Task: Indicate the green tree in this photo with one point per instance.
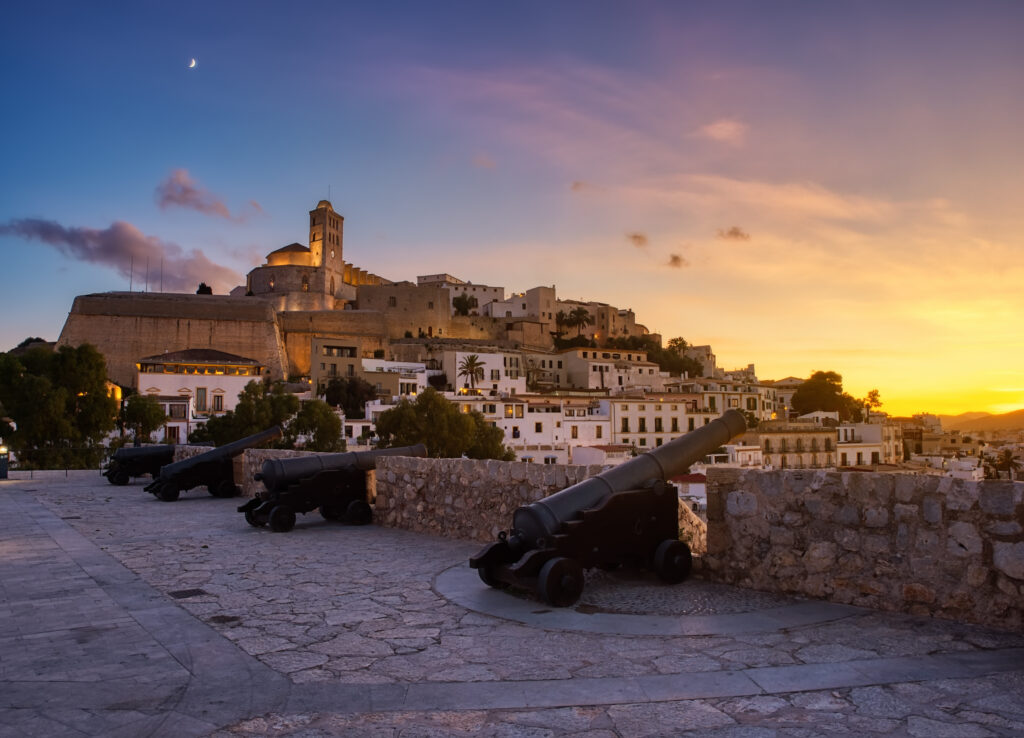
(437, 423)
(873, 400)
(204, 289)
(350, 394)
(61, 405)
(824, 391)
(261, 405)
(143, 414)
(472, 368)
(1005, 461)
(561, 323)
(580, 318)
(464, 303)
(320, 425)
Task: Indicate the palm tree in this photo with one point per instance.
(581, 318)
(1006, 462)
(561, 321)
(472, 368)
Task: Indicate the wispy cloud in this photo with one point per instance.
(125, 248)
(639, 240)
(180, 190)
(726, 131)
(483, 161)
(676, 261)
(735, 233)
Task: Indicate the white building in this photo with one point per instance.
(208, 382)
(503, 372)
(483, 294)
(861, 444)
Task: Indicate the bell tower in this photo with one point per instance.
(325, 237)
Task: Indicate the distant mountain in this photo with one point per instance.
(983, 421)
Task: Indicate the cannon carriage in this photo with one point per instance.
(137, 461)
(213, 469)
(333, 484)
(625, 515)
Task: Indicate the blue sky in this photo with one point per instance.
(803, 185)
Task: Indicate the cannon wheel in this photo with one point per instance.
(223, 488)
(256, 521)
(282, 519)
(329, 512)
(358, 512)
(672, 561)
(560, 582)
(119, 477)
(487, 577)
(168, 492)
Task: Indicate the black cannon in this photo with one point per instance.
(135, 461)
(213, 468)
(627, 514)
(334, 484)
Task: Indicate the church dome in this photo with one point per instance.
(324, 204)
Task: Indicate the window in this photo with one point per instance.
(691, 424)
(643, 425)
(657, 426)
(515, 431)
(171, 435)
(597, 432)
(643, 441)
(625, 425)
(675, 425)
(430, 305)
(575, 431)
(495, 375)
(519, 411)
(392, 302)
(201, 399)
(828, 444)
(658, 441)
(538, 427)
(508, 411)
(176, 411)
(218, 403)
(767, 445)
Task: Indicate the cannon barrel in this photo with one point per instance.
(278, 474)
(227, 451)
(544, 518)
(128, 454)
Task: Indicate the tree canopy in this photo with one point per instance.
(464, 303)
(437, 423)
(143, 414)
(669, 359)
(319, 424)
(350, 394)
(823, 391)
(261, 405)
(472, 369)
(60, 405)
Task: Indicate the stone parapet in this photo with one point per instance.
(920, 544)
(464, 498)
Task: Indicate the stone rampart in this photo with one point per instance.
(464, 498)
(919, 544)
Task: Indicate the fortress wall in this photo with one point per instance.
(408, 308)
(128, 326)
(911, 543)
(299, 329)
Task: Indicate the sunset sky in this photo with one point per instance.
(803, 185)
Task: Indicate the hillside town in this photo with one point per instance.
(567, 381)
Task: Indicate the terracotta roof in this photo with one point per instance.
(292, 248)
(199, 356)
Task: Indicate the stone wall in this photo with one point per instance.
(464, 498)
(919, 544)
(126, 327)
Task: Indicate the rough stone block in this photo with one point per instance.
(1009, 558)
(960, 494)
(848, 539)
(1006, 528)
(906, 488)
(963, 540)
(741, 504)
(876, 517)
(918, 593)
(904, 513)
(931, 508)
(847, 515)
(820, 556)
(999, 498)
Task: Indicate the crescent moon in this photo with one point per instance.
(192, 64)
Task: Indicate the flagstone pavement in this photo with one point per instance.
(121, 615)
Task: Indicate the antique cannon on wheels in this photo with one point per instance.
(627, 514)
(213, 468)
(334, 484)
(135, 461)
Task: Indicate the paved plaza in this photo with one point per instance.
(125, 616)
